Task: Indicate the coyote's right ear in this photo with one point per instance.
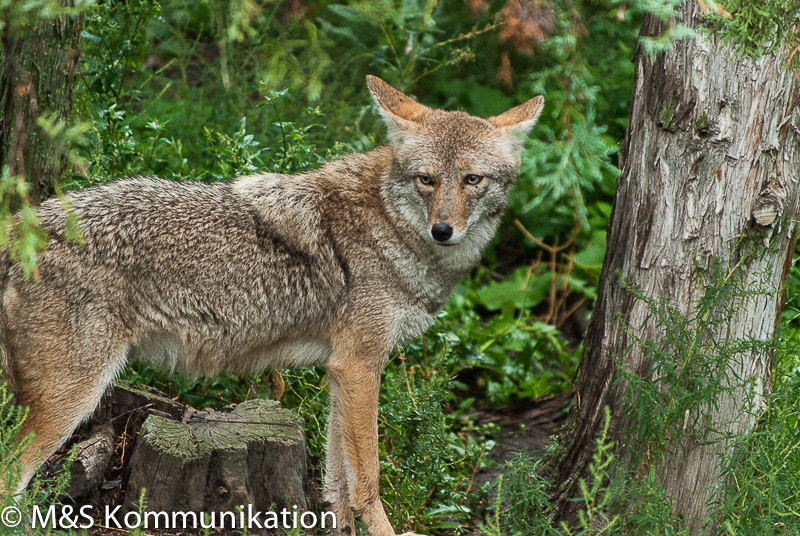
(399, 111)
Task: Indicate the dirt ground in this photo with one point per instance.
(523, 430)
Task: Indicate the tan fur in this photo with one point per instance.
(336, 267)
(527, 112)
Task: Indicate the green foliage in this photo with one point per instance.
(21, 236)
(593, 518)
(11, 418)
(665, 10)
(307, 392)
(763, 470)
(521, 502)
(517, 357)
(757, 28)
(200, 392)
(569, 157)
(139, 506)
(527, 507)
(19, 14)
(690, 369)
(647, 508)
(752, 28)
(761, 489)
(568, 176)
(426, 468)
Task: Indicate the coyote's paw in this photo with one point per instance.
(411, 534)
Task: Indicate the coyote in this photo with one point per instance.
(335, 267)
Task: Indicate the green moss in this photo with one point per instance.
(208, 431)
(702, 125)
(666, 118)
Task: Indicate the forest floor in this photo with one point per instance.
(523, 430)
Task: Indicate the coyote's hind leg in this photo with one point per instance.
(61, 381)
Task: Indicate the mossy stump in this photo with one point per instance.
(216, 461)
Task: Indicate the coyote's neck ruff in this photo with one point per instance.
(336, 266)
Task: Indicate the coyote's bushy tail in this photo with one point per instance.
(6, 372)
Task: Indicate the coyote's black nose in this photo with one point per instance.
(441, 232)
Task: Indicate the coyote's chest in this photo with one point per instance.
(420, 290)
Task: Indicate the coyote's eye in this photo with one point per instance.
(424, 180)
(472, 180)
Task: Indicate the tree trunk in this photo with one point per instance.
(700, 241)
(37, 73)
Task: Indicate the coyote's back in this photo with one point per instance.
(191, 265)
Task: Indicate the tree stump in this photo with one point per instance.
(254, 455)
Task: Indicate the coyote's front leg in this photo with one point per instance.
(336, 489)
(352, 448)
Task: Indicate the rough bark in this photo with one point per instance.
(37, 74)
(127, 406)
(88, 469)
(709, 176)
(255, 455)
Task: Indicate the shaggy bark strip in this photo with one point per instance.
(709, 175)
(37, 73)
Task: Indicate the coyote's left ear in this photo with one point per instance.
(399, 111)
(522, 117)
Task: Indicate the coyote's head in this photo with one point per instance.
(451, 172)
